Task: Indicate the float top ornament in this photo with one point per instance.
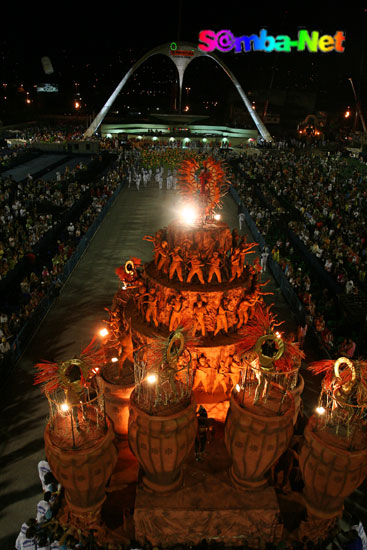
(276, 351)
(163, 374)
(203, 183)
(73, 374)
(343, 398)
(128, 273)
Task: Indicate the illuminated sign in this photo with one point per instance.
(182, 53)
(225, 41)
(49, 88)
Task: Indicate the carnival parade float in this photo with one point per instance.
(173, 428)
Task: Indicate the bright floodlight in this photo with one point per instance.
(188, 215)
(103, 332)
(152, 378)
(320, 410)
(64, 407)
(114, 360)
(217, 217)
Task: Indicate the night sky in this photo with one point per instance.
(96, 46)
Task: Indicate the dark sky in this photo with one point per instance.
(144, 24)
(75, 36)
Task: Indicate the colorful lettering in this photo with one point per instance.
(304, 39)
(209, 38)
(225, 41)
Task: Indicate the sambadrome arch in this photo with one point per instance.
(181, 57)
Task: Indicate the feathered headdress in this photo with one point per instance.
(265, 323)
(206, 179)
(56, 375)
(354, 377)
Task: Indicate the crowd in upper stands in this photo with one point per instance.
(321, 198)
(28, 210)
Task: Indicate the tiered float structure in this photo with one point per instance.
(191, 328)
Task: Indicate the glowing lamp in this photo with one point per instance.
(114, 360)
(237, 387)
(103, 332)
(188, 215)
(277, 334)
(320, 410)
(217, 217)
(152, 378)
(64, 407)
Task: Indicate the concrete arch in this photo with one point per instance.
(189, 52)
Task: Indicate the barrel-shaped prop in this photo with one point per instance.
(257, 435)
(162, 443)
(84, 472)
(117, 402)
(331, 472)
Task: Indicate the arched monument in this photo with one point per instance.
(181, 57)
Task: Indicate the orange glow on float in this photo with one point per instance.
(188, 215)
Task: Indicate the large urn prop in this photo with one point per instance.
(334, 455)
(259, 426)
(117, 374)
(162, 443)
(162, 421)
(117, 394)
(331, 471)
(79, 445)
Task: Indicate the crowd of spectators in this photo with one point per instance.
(22, 228)
(52, 134)
(321, 198)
